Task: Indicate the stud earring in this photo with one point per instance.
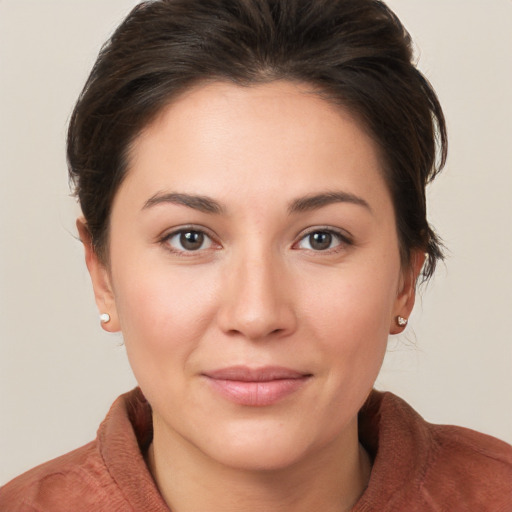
(401, 321)
(104, 318)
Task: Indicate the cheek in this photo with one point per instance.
(350, 321)
(163, 314)
(355, 302)
(349, 313)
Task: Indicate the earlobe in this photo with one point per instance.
(101, 280)
(407, 293)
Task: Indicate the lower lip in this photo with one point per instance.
(257, 394)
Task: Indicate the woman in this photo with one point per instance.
(252, 178)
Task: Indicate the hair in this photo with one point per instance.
(355, 53)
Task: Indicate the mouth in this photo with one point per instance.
(256, 387)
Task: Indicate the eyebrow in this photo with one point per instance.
(206, 204)
(316, 201)
(202, 203)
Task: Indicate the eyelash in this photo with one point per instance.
(342, 238)
(167, 238)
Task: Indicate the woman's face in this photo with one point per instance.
(254, 272)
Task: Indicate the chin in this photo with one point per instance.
(269, 446)
(259, 458)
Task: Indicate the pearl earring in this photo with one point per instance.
(401, 321)
(104, 318)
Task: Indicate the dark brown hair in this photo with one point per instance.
(356, 53)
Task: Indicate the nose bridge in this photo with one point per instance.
(257, 301)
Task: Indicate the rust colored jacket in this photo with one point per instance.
(417, 466)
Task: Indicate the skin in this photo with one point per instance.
(259, 291)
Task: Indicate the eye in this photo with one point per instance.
(188, 240)
(322, 240)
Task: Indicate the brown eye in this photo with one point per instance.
(189, 240)
(320, 240)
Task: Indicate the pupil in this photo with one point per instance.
(320, 241)
(192, 240)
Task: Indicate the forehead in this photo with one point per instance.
(254, 139)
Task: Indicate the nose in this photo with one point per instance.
(257, 299)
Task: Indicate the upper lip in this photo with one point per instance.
(262, 374)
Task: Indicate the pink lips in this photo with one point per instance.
(256, 386)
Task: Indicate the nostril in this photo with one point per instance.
(254, 308)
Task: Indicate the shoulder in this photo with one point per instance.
(75, 481)
(108, 474)
(468, 467)
(422, 466)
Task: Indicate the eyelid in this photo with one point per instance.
(171, 232)
(345, 238)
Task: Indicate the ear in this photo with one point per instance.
(407, 291)
(101, 279)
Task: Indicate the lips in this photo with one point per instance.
(256, 387)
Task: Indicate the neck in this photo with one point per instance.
(331, 480)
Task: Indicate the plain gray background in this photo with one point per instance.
(59, 372)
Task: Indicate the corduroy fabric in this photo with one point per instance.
(417, 466)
